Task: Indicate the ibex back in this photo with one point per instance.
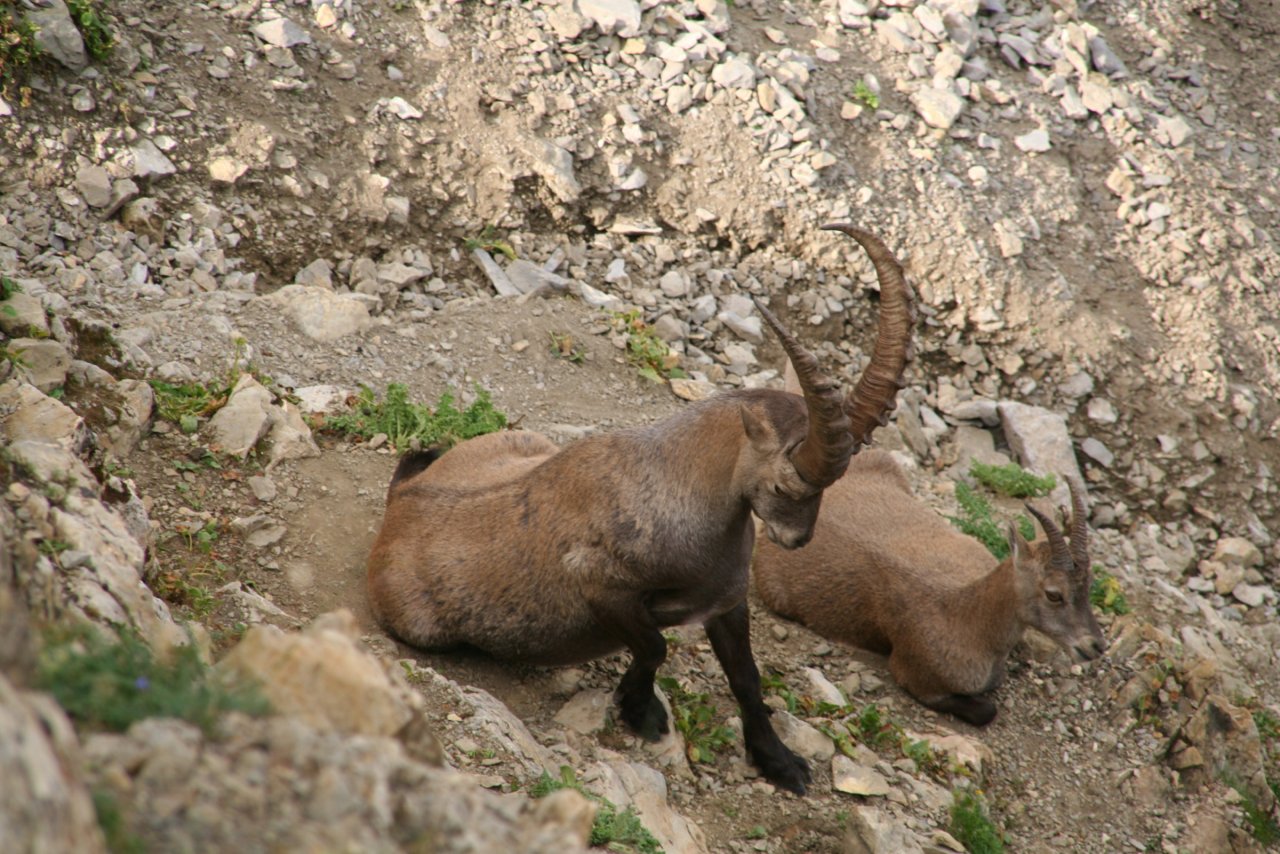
(886, 573)
(553, 556)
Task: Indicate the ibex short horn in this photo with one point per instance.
(530, 552)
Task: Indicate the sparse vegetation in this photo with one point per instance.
(114, 832)
(978, 520)
(18, 50)
(649, 353)
(98, 40)
(695, 718)
(564, 347)
(405, 423)
(971, 823)
(1012, 480)
(1105, 593)
(110, 683)
(488, 240)
(615, 831)
(186, 404)
(8, 287)
(865, 95)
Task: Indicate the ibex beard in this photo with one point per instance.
(551, 555)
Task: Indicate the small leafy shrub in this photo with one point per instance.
(1012, 480)
(649, 353)
(695, 718)
(613, 830)
(111, 683)
(93, 29)
(186, 404)
(1105, 593)
(864, 95)
(404, 422)
(977, 519)
(971, 825)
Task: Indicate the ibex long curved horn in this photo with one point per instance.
(822, 457)
(873, 398)
(1062, 556)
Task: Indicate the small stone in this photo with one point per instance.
(226, 170)
(148, 160)
(1253, 595)
(1098, 452)
(94, 183)
(621, 17)
(688, 389)
(281, 33)
(23, 314)
(1237, 551)
(1101, 410)
(938, 108)
(1034, 141)
(853, 779)
(46, 361)
(263, 487)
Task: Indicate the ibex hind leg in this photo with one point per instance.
(969, 708)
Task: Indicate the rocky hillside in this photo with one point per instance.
(219, 221)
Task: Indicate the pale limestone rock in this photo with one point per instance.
(46, 361)
(803, 738)
(321, 675)
(27, 414)
(321, 314)
(853, 779)
(237, 427)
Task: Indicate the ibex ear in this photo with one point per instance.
(1019, 548)
(755, 428)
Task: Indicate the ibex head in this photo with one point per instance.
(1054, 581)
(797, 452)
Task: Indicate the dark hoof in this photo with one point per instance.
(978, 711)
(785, 770)
(644, 715)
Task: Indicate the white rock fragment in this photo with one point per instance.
(281, 33)
(226, 170)
(938, 108)
(319, 313)
(1172, 131)
(853, 779)
(148, 160)
(620, 17)
(1098, 452)
(1035, 141)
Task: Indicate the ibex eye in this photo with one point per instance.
(1053, 596)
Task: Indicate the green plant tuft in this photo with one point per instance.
(864, 95)
(1105, 593)
(18, 49)
(93, 29)
(649, 353)
(1012, 480)
(977, 519)
(617, 831)
(404, 422)
(972, 826)
(695, 718)
(119, 839)
(489, 242)
(112, 683)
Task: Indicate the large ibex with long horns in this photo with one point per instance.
(559, 555)
(886, 573)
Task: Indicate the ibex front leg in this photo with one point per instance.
(730, 635)
(628, 620)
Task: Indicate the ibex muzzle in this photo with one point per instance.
(886, 573)
(555, 556)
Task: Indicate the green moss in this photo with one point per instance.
(404, 422)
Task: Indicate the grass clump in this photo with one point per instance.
(1105, 593)
(115, 832)
(1012, 480)
(977, 519)
(112, 683)
(404, 422)
(615, 831)
(649, 353)
(187, 403)
(971, 824)
(695, 718)
(98, 40)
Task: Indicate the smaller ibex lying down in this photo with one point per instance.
(887, 574)
(554, 556)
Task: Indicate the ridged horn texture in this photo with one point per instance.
(1079, 527)
(823, 455)
(1062, 556)
(873, 398)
